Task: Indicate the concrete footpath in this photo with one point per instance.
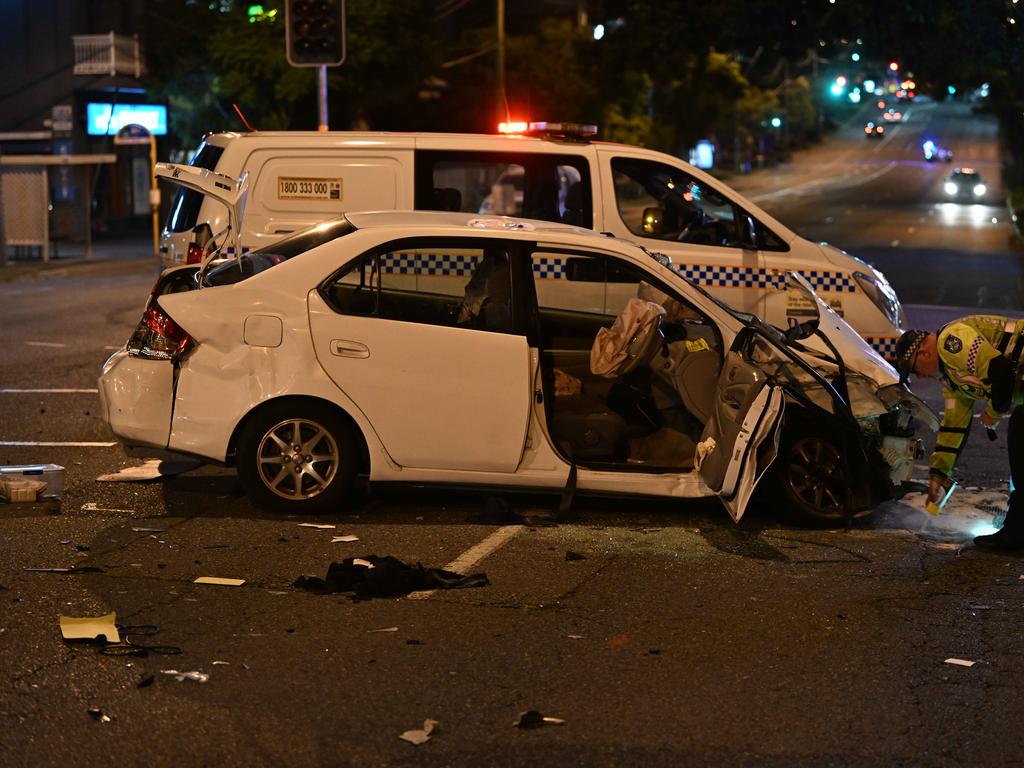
(113, 255)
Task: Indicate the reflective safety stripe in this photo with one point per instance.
(945, 449)
(959, 430)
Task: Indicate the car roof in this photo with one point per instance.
(446, 223)
(964, 172)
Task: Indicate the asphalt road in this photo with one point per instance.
(880, 200)
(679, 638)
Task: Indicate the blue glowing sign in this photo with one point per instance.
(108, 119)
(703, 155)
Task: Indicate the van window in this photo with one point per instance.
(658, 201)
(537, 186)
(187, 202)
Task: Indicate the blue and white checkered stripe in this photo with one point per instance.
(550, 267)
(884, 345)
(439, 264)
(712, 276)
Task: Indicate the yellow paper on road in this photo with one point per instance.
(219, 581)
(90, 627)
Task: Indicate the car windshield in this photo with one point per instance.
(254, 262)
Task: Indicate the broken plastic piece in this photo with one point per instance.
(531, 718)
(219, 581)
(420, 736)
(344, 539)
(153, 469)
(198, 677)
(961, 662)
(90, 628)
(99, 714)
(316, 525)
(384, 629)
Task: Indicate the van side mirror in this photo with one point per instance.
(654, 221)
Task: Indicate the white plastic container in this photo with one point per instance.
(24, 480)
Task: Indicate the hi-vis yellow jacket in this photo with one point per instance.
(967, 348)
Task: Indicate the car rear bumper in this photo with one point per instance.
(137, 399)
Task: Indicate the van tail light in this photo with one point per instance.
(158, 337)
(196, 253)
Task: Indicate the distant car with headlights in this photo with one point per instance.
(964, 185)
(548, 171)
(892, 115)
(483, 350)
(874, 130)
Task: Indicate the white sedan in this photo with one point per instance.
(460, 349)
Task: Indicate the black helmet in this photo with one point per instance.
(906, 348)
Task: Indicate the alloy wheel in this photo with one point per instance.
(297, 459)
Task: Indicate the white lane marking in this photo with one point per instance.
(54, 344)
(47, 391)
(17, 443)
(475, 554)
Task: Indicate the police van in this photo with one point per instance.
(715, 237)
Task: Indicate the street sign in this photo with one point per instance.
(133, 133)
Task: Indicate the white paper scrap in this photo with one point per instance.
(219, 581)
(346, 538)
(418, 737)
(316, 525)
(90, 627)
(198, 677)
(384, 629)
(360, 561)
(961, 662)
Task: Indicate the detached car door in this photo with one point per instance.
(421, 336)
(740, 439)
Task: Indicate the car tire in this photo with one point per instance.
(297, 457)
(808, 482)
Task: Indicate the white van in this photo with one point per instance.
(716, 238)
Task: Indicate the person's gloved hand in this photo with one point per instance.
(990, 423)
(936, 489)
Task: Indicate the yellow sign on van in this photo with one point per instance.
(295, 188)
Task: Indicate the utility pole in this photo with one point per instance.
(502, 101)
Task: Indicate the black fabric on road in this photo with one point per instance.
(386, 577)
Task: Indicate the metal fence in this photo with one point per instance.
(108, 54)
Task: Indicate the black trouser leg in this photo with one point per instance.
(1015, 452)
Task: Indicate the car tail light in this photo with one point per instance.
(158, 337)
(196, 254)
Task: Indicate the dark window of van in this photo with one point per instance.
(533, 185)
(187, 202)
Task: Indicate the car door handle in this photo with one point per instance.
(343, 348)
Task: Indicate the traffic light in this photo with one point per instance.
(315, 32)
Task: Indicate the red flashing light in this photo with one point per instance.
(514, 127)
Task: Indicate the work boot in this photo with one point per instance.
(1010, 537)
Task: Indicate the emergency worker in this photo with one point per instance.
(977, 358)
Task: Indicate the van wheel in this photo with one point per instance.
(297, 457)
(810, 478)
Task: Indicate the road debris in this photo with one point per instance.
(420, 736)
(152, 469)
(72, 569)
(218, 581)
(961, 662)
(344, 539)
(92, 506)
(31, 482)
(197, 677)
(100, 715)
(374, 576)
(90, 628)
(531, 718)
(316, 525)
(384, 629)
(571, 556)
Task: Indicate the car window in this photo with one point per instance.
(658, 201)
(254, 262)
(461, 284)
(538, 186)
(579, 293)
(187, 202)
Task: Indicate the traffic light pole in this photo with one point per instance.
(321, 77)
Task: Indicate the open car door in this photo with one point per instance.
(741, 438)
(232, 193)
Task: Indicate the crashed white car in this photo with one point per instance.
(460, 349)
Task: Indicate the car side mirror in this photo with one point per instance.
(654, 221)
